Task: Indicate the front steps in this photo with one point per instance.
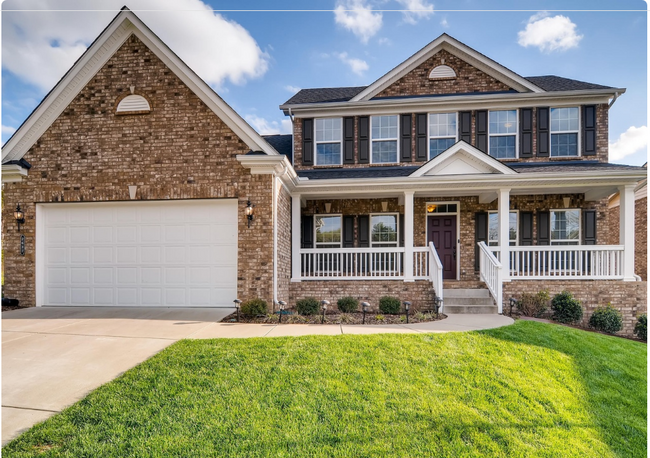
(463, 300)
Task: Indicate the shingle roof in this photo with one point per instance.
(552, 83)
(366, 172)
(569, 166)
(281, 143)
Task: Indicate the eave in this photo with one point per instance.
(13, 173)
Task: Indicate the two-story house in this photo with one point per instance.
(139, 186)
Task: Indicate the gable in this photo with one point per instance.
(462, 159)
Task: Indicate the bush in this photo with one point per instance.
(533, 304)
(347, 304)
(566, 308)
(641, 327)
(255, 307)
(307, 306)
(389, 305)
(606, 319)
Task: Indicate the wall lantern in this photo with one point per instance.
(19, 215)
(249, 212)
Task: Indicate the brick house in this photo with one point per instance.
(449, 172)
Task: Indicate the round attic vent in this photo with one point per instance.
(442, 71)
(133, 103)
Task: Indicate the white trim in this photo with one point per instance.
(340, 216)
(430, 137)
(564, 242)
(470, 150)
(516, 135)
(340, 142)
(296, 233)
(578, 132)
(39, 253)
(13, 173)
(627, 230)
(396, 242)
(457, 213)
(396, 139)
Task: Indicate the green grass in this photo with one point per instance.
(526, 390)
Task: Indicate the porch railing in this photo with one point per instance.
(352, 263)
(421, 261)
(491, 273)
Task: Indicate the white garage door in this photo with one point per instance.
(168, 253)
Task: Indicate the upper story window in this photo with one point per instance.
(565, 126)
(493, 229)
(328, 141)
(384, 229)
(384, 139)
(565, 227)
(503, 134)
(328, 231)
(442, 132)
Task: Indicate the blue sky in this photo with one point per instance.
(257, 59)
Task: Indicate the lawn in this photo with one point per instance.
(526, 390)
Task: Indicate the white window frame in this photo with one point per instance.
(316, 142)
(496, 242)
(516, 135)
(396, 242)
(396, 139)
(431, 137)
(318, 244)
(577, 132)
(564, 241)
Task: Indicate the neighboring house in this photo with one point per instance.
(136, 180)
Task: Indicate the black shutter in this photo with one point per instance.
(405, 135)
(307, 142)
(364, 231)
(543, 135)
(543, 228)
(348, 140)
(421, 150)
(589, 229)
(465, 127)
(364, 140)
(589, 130)
(480, 235)
(401, 229)
(307, 231)
(525, 228)
(348, 231)
(526, 132)
(482, 130)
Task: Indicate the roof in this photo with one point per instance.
(324, 94)
(365, 172)
(569, 166)
(283, 144)
(552, 83)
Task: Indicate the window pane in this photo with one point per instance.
(328, 130)
(328, 229)
(564, 119)
(513, 225)
(503, 122)
(493, 226)
(384, 126)
(384, 151)
(328, 153)
(565, 225)
(503, 147)
(564, 144)
(384, 228)
(442, 125)
(439, 145)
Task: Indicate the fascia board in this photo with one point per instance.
(277, 165)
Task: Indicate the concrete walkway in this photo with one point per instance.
(54, 356)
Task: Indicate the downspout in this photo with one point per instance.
(613, 100)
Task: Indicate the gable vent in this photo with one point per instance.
(442, 71)
(133, 103)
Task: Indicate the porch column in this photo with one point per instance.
(504, 231)
(627, 230)
(295, 238)
(408, 236)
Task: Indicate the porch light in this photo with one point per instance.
(281, 304)
(249, 212)
(328, 207)
(323, 306)
(19, 216)
(431, 208)
(437, 303)
(237, 306)
(364, 307)
(513, 303)
(407, 306)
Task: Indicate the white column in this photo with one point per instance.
(408, 236)
(504, 231)
(295, 238)
(627, 230)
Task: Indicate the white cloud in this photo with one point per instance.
(264, 127)
(629, 142)
(548, 33)
(444, 23)
(39, 47)
(357, 66)
(415, 10)
(292, 89)
(361, 20)
(8, 130)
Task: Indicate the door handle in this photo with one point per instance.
(454, 252)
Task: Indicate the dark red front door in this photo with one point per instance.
(442, 232)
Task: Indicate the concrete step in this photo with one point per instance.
(453, 300)
(465, 293)
(470, 309)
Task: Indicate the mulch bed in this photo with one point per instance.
(8, 308)
(372, 318)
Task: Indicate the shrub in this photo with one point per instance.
(307, 306)
(566, 308)
(389, 305)
(347, 304)
(641, 327)
(255, 307)
(533, 304)
(606, 319)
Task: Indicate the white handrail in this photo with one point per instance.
(492, 274)
(352, 263)
(435, 272)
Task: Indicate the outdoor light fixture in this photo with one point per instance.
(364, 307)
(281, 304)
(237, 305)
(407, 306)
(323, 306)
(513, 303)
(437, 303)
(19, 216)
(328, 207)
(431, 208)
(249, 212)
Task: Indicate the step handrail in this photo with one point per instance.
(492, 274)
(435, 272)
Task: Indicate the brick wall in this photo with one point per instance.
(628, 297)
(284, 243)
(181, 150)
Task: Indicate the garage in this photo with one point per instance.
(179, 253)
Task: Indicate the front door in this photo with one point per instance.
(442, 232)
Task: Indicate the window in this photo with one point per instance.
(434, 207)
(328, 141)
(384, 139)
(442, 132)
(383, 230)
(328, 231)
(565, 126)
(565, 227)
(493, 229)
(503, 134)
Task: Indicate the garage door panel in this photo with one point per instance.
(200, 296)
(103, 296)
(103, 255)
(79, 275)
(126, 254)
(223, 275)
(127, 275)
(150, 234)
(57, 276)
(175, 275)
(174, 296)
(80, 255)
(175, 254)
(79, 235)
(57, 296)
(126, 214)
(126, 234)
(103, 234)
(152, 296)
(80, 296)
(56, 235)
(151, 275)
(150, 255)
(175, 234)
(127, 296)
(57, 256)
(103, 275)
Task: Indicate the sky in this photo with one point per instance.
(258, 55)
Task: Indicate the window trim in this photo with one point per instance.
(340, 142)
(516, 135)
(396, 139)
(516, 240)
(430, 137)
(564, 241)
(550, 131)
(396, 242)
(318, 244)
